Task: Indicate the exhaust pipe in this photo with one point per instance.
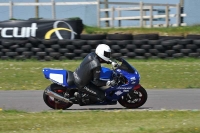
(56, 96)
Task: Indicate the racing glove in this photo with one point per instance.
(114, 64)
(111, 83)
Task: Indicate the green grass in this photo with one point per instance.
(155, 74)
(27, 75)
(171, 31)
(100, 122)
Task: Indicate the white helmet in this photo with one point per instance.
(103, 51)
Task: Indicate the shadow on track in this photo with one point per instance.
(106, 109)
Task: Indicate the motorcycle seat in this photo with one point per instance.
(70, 78)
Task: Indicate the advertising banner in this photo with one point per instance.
(43, 29)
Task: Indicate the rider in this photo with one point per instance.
(87, 75)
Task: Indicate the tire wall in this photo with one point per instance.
(126, 46)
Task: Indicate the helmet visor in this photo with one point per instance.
(107, 54)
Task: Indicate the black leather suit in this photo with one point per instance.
(87, 76)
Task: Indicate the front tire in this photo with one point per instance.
(54, 103)
(134, 99)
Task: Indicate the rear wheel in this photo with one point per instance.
(134, 99)
(54, 103)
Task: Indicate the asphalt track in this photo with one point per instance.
(169, 99)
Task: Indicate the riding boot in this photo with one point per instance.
(79, 98)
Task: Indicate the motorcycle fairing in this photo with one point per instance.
(114, 93)
(106, 73)
(58, 76)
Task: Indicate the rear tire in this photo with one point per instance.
(138, 98)
(54, 103)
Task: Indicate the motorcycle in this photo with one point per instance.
(127, 91)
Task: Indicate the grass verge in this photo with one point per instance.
(155, 74)
(170, 31)
(100, 122)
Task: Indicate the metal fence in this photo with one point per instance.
(143, 8)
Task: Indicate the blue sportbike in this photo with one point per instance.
(127, 91)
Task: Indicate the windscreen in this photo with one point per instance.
(126, 66)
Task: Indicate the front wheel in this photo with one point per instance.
(54, 103)
(134, 99)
